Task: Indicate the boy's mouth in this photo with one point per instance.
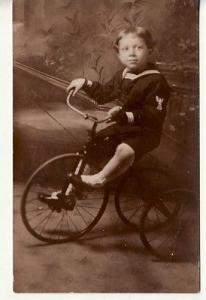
(133, 61)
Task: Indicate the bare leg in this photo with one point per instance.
(117, 165)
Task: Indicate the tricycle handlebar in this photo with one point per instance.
(86, 116)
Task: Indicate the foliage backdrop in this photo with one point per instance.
(72, 38)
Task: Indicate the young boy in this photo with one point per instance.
(143, 92)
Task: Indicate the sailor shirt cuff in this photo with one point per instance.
(87, 83)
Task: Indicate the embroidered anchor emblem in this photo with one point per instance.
(159, 101)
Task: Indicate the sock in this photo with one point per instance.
(54, 195)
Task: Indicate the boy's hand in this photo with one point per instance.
(76, 85)
(114, 111)
(117, 114)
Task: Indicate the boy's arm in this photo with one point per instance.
(153, 112)
(101, 93)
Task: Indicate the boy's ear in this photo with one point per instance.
(117, 54)
(116, 49)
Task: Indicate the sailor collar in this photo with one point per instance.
(127, 75)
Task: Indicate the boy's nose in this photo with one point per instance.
(131, 52)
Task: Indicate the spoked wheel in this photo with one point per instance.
(169, 227)
(44, 211)
(139, 188)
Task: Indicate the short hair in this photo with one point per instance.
(140, 32)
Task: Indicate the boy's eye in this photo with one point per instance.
(138, 47)
(125, 48)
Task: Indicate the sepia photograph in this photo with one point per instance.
(106, 146)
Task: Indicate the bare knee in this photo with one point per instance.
(125, 153)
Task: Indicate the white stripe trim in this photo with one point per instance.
(89, 83)
(130, 117)
(124, 72)
(134, 76)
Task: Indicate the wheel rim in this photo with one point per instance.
(49, 224)
(167, 237)
(129, 205)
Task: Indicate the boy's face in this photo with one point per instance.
(133, 52)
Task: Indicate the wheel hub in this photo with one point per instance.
(57, 203)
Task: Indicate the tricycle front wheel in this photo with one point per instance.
(44, 213)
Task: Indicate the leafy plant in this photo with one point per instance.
(97, 67)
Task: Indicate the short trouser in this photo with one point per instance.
(141, 141)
